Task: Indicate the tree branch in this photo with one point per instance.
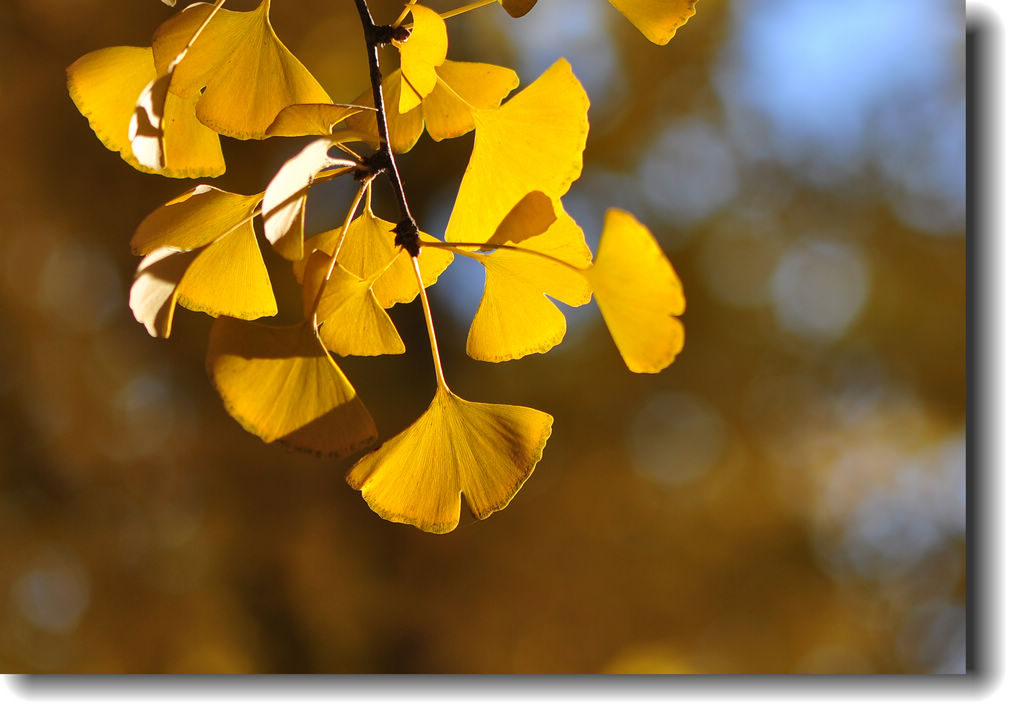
(407, 233)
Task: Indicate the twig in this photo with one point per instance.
(407, 232)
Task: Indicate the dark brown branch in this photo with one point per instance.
(407, 233)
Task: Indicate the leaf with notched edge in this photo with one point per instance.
(281, 385)
(484, 452)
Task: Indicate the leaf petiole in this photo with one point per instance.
(434, 351)
(337, 250)
(454, 248)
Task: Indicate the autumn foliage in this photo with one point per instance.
(213, 71)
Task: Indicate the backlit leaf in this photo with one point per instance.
(106, 85)
(657, 19)
(638, 293)
(533, 142)
(199, 255)
(425, 49)
(153, 294)
(351, 320)
(462, 88)
(515, 317)
(485, 452)
(284, 203)
(308, 120)
(193, 219)
(146, 127)
(370, 251)
(404, 129)
(229, 277)
(248, 74)
(281, 385)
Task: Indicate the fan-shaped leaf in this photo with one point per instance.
(106, 86)
(638, 293)
(351, 320)
(657, 19)
(421, 54)
(533, 142)
(486, 452)
(249, 76)
(281, 385)
(515, 317)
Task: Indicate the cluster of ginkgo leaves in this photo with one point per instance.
(212, 72)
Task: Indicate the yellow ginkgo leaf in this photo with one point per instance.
(193, 220)
(518, 8)
(106, 85)
(463, 87)
(531, 217)
(369, 251)
(284, 203)
(351, 320)
(638, 293)
(404, 129)
(486, 452)
(533, 142)
(146, 128)
(229, 277)
(425, 49)
(657, 19)
(281, 385)
(216, 273)
(515, 317)
(310, 120)
(249, 76)
(153, 298)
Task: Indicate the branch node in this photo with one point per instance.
(386, 34)
(407, 236)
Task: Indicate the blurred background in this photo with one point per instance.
(789, 496)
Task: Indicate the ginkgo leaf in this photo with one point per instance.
(284, 203)
(229, 277)
(530, 217)
(281, 385)
(153, 298)
(638, 293)
(369, 251)
(404, 130)
(146, 127)
(421, 54)
(515, 317)
(485, 452)
(106, 85)
(308, 120)
(192, 220)
(352, 321)
(249, 76)
(657, 19)
(207, 263)
(518, 8)
(533, 142)
(463, 87)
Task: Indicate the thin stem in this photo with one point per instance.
(408, 232)
(467, 8)
(337, 251)
(435, 353)
(195, 36)
(454, 13)
(405, 13)
(454, 248)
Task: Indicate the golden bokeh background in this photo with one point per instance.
(788, 497)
